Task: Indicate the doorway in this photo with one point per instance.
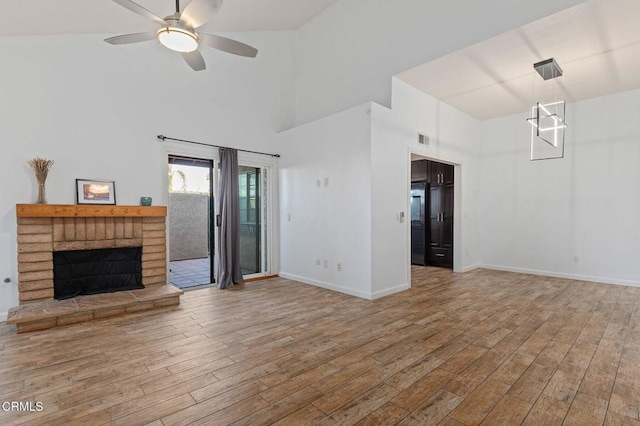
(432, 213)
(191, 211)
(193, 184)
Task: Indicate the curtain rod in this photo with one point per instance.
(163, 137)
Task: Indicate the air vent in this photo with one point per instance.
(423, 139)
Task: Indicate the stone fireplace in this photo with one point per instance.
(45, 229)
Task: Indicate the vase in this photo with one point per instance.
(42, 194)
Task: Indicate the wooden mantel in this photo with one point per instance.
(72, 210)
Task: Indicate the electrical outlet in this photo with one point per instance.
(339, 266)
(317, 262)
(326, 264)
(326, 181)
(318, 182)
(289, 217)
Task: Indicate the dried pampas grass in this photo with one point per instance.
(41, 168)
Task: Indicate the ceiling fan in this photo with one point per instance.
(177, 31)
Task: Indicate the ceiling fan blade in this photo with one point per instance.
(130, 38)
(195, 60)
(136, 8)
(228, 45)
(198, 12)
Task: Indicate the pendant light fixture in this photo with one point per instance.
(547, 116)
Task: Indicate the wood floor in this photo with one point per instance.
(480, 347)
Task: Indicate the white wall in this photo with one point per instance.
(574, 217)
(365, 153)
(96, 110)
(510, 213)
(347, 55)
(453, 139)
(327, 222)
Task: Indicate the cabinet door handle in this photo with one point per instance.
(439, 254)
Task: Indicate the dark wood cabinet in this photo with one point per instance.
(439, 185)
(439, 173)
(441, 236)
(419, 222)
(419, 171)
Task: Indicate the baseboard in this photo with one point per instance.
(470, 268)
(589, 278)
(327, 286)
(388, 291)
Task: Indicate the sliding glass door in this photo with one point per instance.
(191, 230)
(253, 183)
(193, 185)
(249, 185)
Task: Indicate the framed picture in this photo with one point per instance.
(95, 191)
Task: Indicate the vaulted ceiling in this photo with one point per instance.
(45, 17)
(596, 43)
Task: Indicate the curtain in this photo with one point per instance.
(229, 272)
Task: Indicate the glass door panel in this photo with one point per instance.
(250, 183)
(191, 206)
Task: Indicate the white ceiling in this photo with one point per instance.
(46, 17)
(597, 45)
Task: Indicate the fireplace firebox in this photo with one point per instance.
(82, 272)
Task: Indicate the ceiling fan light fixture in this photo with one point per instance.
(178, 39)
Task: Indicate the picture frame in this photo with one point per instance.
(90, 191)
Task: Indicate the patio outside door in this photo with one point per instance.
(191, 230)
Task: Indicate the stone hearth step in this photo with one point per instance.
(53, 313)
